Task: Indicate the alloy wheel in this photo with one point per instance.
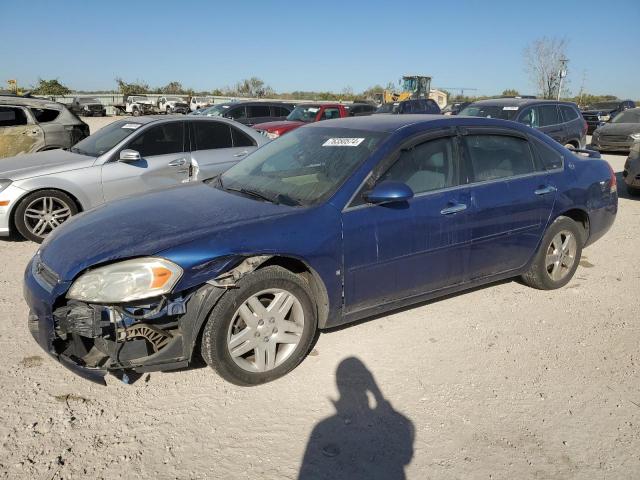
(44, 214)
(561, 255)
(265, 330)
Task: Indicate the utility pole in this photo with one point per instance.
(562, 73)
(584, 79)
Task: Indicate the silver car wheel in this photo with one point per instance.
(44, 214)
(561, 255)
(265, 330)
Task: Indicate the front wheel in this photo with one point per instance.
(42, 212)
(557, 257)
(136, 112)
(261, 330)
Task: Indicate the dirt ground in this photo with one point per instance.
(503, 382)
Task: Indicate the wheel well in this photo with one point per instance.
(12, 218)
(580, 217)
(318, 288)
(574, 143)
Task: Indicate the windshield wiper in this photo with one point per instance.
(251, 193)
(79, 151)
(288, 200)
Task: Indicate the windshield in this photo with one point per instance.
(89, 100)
(507, 112)
(603, 106)
(175, 99)
(215, 111)
(628, 116)
(389, 108)
(302, 167)
(304, 113)
(139, 99)
(106, 138)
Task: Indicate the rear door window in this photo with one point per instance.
(12, 116)
(236, 113)
(210, 135)
(241, 139)
(258, 111)
(497, 156)
(549, 115)
(549, 158)
(330, 113)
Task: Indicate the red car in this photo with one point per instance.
(305, 113)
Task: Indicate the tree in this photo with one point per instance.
(50, 88)
(510, 92)
(173, 88)
(252, 87)
(127, 89)
(543, 63)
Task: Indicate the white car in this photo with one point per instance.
(200, 102)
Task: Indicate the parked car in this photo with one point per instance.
(136, 105)
(560, 120)
(360, 109)
(421, 106)
(41, 191)
(334, 222)
(631, 172)
(172, 104)
(250, 113)
(455, 108)
(197, 103)
(87, 107)
(619, 134)
(604, 111)
(301, 115)
(30, 125)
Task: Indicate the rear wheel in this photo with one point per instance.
(42, 212)
(261, 330)
(557, 257)
(136, 112)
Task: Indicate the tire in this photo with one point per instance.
(225, 321)
(44, 203)
(136, 112)
(633, 191)
(549, 276)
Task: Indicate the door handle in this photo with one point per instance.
(178, 163)
(545, 190)
(455, 208)
(241, 154)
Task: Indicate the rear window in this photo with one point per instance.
(259, 111)
(504, 112)
(549, 115)
(44, 115)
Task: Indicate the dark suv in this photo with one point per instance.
(560, 120)
(410, 106)
(250, 113)
(604, 111)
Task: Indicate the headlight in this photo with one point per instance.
(272, 135)
(604, 118)
(126, 281)
(4, 184)
(635, 136)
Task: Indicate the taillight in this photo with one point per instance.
(585, 127)
(613, 181)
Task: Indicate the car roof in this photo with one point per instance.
(27, 102)
(520, 102)
(393, 123)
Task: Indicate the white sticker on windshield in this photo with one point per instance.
(313, 110)
(510, 108)
(131, 126)
(343, 142)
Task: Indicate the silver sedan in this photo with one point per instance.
(38, 192)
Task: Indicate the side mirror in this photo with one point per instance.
(128, 155)
(389, 192)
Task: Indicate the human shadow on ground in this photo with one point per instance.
(365, 439)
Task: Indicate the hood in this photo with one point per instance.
(150, 223)
(42, 163)
(599, 111)
(283, 126)
(618, 128)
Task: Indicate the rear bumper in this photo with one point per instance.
(631, 172)
(601, 219)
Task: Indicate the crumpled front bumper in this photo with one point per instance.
(631, 172)
(120, 351)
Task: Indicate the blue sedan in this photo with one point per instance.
(334, 222)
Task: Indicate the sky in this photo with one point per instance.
(317, 45)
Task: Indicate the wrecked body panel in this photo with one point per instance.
(20, 139)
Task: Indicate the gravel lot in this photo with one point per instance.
(503, 382)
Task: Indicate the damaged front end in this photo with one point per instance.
(123, 340)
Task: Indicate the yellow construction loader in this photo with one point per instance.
(413, 87)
